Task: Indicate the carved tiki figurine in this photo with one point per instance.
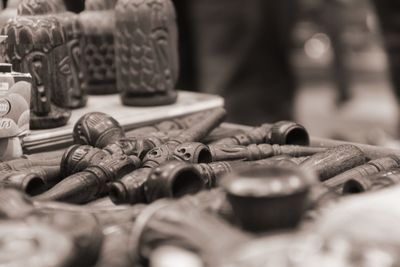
(98, 57)
(75, 95)
(37, 44)
(146, 52)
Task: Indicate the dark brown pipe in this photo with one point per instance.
(372, 167)
(174, 179)
(334, 161)
(103, 131)
(91, 183)
(27, 161)
(125, 190)
(261, 151)
(130, 188)
(281, 133)
(32, 181)
(372, 182)
(78, 157)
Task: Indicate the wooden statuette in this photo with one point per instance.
(98, 56)
(146, 52)
(37, 44)
(75, 96)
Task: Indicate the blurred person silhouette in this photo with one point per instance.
(332, 18)
(241, 52)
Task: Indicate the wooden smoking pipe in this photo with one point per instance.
(373, 182)
(176, 148)
(362, 172)
(281, 133)
(92, 182)
(32, 181)
(334, 161)
(260, 151)
(40, 159)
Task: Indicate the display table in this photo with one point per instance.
(128, 117)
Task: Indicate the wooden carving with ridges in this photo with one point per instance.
(75, 94)
(146, 52)
(37, 44)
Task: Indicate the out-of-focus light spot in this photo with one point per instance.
(317, 46)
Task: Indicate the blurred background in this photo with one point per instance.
(321, 62)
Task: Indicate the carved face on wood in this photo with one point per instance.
(37, 45)
(70, 67)
(61, 80)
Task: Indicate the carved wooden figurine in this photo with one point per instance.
(75, 96)
(146, 52)
(37, 44)
(98, 58)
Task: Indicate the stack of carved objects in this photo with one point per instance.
(126, 46)
(189, 192)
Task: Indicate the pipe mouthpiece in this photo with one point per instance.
(289, 133)
(118, 193)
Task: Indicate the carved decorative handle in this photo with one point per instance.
(362, 172)
(256, 152)
(334, 161)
